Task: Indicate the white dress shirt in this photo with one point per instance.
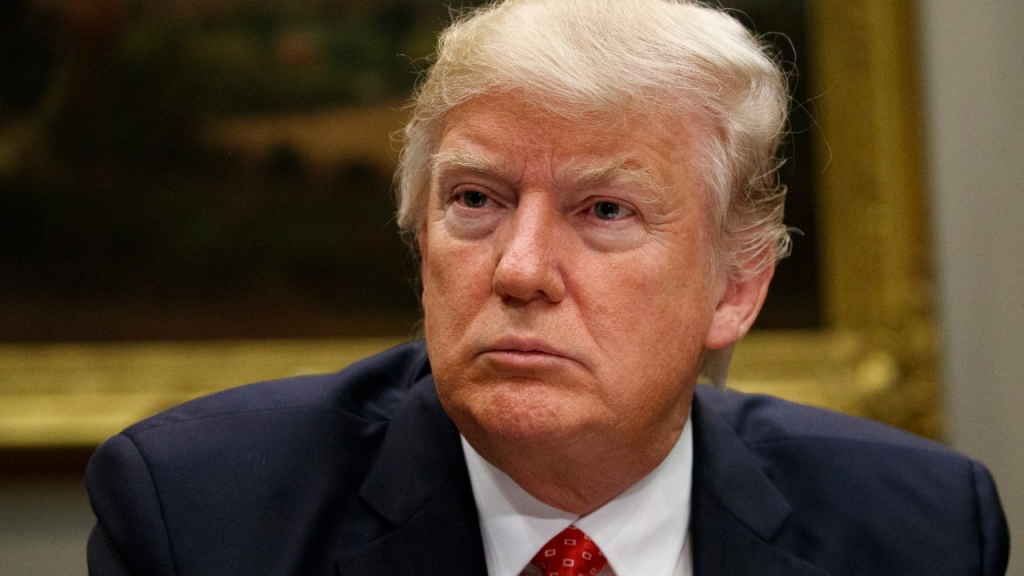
(642, 532)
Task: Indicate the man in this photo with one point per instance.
(590, 184)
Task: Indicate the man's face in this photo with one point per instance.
(566, 281)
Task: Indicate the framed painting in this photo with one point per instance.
(196, 195)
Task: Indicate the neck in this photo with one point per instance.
(578, 476)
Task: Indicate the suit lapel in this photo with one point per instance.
(737, 513)
(419, 485)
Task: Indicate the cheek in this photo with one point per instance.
(455, 278)
(647, 304)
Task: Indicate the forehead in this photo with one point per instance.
(510, 139)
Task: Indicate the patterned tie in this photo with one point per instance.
(571, 553)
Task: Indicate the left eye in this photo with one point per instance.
(474, 199)
(607, 210)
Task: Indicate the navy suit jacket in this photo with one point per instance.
(362, 473)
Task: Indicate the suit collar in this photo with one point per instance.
(420, 487)
(421, 453)
(737, 513)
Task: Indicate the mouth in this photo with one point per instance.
(525, 353)
(516, 345)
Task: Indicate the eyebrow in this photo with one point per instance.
(454, 160)
(616, 172)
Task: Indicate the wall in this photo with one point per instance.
(973, 73)
(44, 523)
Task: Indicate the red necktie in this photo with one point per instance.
(571, 553)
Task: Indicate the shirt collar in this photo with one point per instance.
(641, 531)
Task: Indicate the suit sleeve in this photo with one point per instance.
(130, 536)
(995, 535)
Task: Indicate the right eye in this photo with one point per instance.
(474, 199)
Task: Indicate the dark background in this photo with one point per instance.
(125, 213)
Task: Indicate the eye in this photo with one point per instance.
(607, 210)
(474, 199)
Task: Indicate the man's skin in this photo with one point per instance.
(561, 259)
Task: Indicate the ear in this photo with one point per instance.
(738, 309)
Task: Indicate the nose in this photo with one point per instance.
(530, 260)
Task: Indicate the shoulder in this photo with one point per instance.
(795, 443)
(270, 456)
(855, 483)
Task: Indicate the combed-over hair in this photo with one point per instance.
(661, 59)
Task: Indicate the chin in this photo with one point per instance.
(524, 412)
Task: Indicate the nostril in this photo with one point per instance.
(537, 277)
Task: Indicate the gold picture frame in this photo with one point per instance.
(876, 357)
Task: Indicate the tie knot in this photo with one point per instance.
(571, 553)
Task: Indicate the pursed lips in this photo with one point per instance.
(518, 350)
